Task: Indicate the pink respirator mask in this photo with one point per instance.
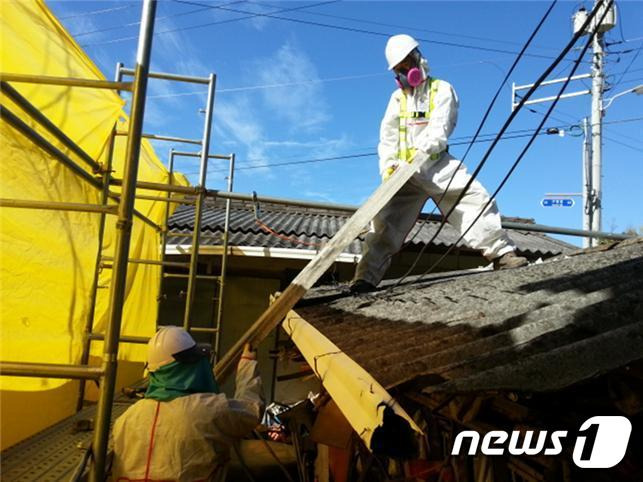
(410, 80)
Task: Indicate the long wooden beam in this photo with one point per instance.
(277, 311)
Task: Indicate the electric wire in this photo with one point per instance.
(306, 82)
(637, 149)
(629, 81)
(516, 134)
(369, 32)
(270, 86)
(374, 153)
(504, 127)
(407, 28)
(209, 24)
(133, 24)
(95, 12)
(576, 120)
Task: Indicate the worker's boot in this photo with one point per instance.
(509, 260)
(360, 286)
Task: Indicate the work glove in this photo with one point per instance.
(248, 352)
(389, 169)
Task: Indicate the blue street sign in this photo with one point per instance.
(553, 202)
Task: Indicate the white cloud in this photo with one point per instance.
(231, 121)
(301, 106)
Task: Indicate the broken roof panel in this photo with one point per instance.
(538, 328)
(307, 228)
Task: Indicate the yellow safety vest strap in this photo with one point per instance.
(404, 153)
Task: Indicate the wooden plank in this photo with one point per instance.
(270, 318)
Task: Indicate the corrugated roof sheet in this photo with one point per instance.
(538, 328)
(314, 226)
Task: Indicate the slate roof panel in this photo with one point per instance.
(537, 328)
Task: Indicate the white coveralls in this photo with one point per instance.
(188, 438)
(427, 137)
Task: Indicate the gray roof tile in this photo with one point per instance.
(317, 226)
(538, 328)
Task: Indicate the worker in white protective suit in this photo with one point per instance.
(418, 121)
(184, 429)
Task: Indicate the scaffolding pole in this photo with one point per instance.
(165, 76)
(50, 370)
(65, 81)
(89, 322)
(39, 117)
(198, 210)
(122, 242)
(58, 206)
(166, 217)
(224, 263)
(157, 137)
(140, 340)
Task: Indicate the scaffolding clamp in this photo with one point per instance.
(124, 224)
(101, 169)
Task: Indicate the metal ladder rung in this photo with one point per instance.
(197, 329)
(183, 275)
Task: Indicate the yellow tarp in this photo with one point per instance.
(47, 258)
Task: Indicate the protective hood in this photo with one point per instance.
(424, 65)
(180, 379)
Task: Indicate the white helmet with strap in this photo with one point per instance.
(398, 47)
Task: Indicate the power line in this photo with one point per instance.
(95, 12)
(623, 121)
(133, 24)
(626, 40)
(465, 140)
(637, 149)
(629, 81)
(290, 84)
(271, 86)
(621, 72)
(370, 32)
(209, 24)
(407, 28)
(517, 135)
(534, 110)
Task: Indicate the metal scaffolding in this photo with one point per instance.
(120, 205)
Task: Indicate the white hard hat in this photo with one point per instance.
(165, 344)
(398, 47)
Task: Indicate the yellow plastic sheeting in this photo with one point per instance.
(357, 394)
(47, 258)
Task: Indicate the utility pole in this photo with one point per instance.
(587, 181)
(597, 130)
(593, 140)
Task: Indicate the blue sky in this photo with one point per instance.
(295, 90)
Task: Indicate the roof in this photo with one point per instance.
(538, 328)
(307, 229)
